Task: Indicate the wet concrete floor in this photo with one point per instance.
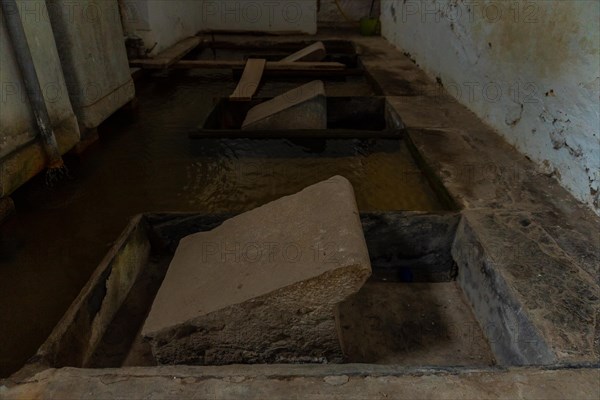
(146, 162)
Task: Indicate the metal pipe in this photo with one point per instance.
(16, 32)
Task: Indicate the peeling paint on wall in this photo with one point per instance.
(531, 69)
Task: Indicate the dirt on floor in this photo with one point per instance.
(412, 324)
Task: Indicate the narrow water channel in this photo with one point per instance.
(147, 163)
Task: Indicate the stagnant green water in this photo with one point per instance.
(148, 163)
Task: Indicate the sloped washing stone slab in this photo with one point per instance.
(304, 107)
(265, 285)
(314, 52)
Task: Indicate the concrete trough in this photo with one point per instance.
(102, 326)
(429, 302)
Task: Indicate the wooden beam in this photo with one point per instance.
(317, 74)
(304, 66)
(269, 65)
(314, 52)
(250, 80)
(169, 56)
(210, 64)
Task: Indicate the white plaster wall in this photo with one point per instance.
(353, 11)
(93, 56)
(165, 22)
(161, 22)
(529, 68)
(276, 16)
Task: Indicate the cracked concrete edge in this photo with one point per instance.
(277, 381)
(277, 371)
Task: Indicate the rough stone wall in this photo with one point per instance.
(529, 69)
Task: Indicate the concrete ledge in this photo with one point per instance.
(346, 382)
(536, 306)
